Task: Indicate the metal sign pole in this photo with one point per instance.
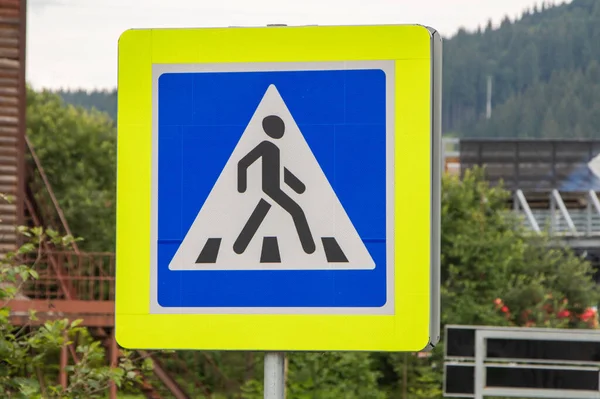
(274, 375)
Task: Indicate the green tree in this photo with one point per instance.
(101, 100)
(326, 375)
(566, 106)
(520, 55)
(77, 149)
(487, 253)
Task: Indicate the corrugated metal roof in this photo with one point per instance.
(535, 165)
(12, 114)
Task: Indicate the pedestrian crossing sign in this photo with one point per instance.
(278, 188)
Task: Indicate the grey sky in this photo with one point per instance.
(73, 43)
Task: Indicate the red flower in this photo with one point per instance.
(563, 314)
(588, 314)
(504, 309)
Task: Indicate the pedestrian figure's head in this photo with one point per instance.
(273, 126)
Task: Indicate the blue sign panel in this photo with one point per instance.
(245, 218)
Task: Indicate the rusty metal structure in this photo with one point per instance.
(74, 284)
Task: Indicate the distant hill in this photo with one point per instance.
(105, 101)
(543, 71)
(566, 106)
(543, 68)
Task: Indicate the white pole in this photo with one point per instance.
(274, 375)
(488, 107)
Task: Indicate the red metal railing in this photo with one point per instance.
(71, 285)
(90, 276)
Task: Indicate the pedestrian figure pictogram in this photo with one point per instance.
(270, 157)
(273, 186)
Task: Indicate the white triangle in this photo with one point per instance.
(226, 211)
(594, 165)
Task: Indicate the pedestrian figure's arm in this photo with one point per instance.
(291, 180)
(244, 164)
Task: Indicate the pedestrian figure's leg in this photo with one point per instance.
(251, 226)
(291, 207)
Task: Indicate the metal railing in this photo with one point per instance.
(558, 219)
(520, 204)
(90, 276)
(487, 354)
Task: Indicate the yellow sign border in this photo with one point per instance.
(409, 328)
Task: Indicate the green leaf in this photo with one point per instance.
(26, 248)
(147, 364)
(24, 274)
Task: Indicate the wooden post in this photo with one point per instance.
(405, 376)
(114, 357)
(285, 375)
(64, 359)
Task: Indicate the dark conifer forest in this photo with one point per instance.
(544, 69)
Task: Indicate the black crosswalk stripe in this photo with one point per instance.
(210, 251)
(270, 251)
(333, 252)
